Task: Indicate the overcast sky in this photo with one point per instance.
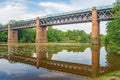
(27, 9)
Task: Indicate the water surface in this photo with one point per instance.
(55, 62)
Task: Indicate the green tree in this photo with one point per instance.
(70, 35)
(50, 35)
(113, 32)
(102, 38)
(113, 27)
(3, 36)
(55, 35)
(27, 35)
(78, 36)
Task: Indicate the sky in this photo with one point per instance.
(30, 9)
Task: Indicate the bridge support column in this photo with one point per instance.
(12, 35)
(41, 36)
(95, 27)
(95, 60)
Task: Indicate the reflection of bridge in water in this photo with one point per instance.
(41, 60)
(74, 68)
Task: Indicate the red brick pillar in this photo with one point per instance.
(12, 35)
(95, 60)
(95, 27)
(41, 36)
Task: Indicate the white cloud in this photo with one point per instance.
(57, 6)
(74, 5)
(11, 11)
(17, 10)
(90, 3)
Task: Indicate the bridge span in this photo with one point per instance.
(94, 15)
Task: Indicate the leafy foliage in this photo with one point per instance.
(26, 35)
(55, 35)
(3, 36)
(113, 33)
(113, 28)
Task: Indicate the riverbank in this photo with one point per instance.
(54, 44)
(110, 76)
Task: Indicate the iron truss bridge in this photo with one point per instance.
(104, 13)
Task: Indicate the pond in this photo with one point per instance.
(56, 62)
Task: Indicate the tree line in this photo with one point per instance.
(53, 35)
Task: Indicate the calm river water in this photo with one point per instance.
(56, 62)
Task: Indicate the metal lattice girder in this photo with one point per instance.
(27, 24)
(105, 14)
(67, 19)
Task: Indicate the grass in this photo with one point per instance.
(110, 76)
